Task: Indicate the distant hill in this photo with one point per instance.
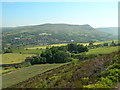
(51, 34)
(110, 30)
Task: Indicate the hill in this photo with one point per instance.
(110, 30)
(51, 34)
(98, 72)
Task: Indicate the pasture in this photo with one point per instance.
(22, 74)
(103, 50)
(12, 58)
(26, 51)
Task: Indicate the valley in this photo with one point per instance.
(47, 34)
(24, 75)
(42, 56)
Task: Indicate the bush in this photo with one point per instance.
(8, 51)
(92, 56)
(85, 80)
(116, 59)
(108, 78)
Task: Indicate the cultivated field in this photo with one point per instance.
(44, 47)
(64, 44)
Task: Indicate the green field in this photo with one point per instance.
(26, 51)
(99, 51)
(16, 76)
(12, 58)
(22, 74)
(103, 50)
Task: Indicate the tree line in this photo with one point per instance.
(59, 54)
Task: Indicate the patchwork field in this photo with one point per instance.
(12, 58)
(19, 75)
(64, 44)
(22, 74)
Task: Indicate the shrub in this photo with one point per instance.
(85, 80)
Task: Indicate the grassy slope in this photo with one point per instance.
(25, 73)
(61, 32)
(100, 50)
(26, 51)
(11, 58)
(103, 50)
(35, 70)
(71, 75)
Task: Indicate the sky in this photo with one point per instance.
(96, 14)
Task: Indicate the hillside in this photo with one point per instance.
(98, 72)
(92, 60)
(51, 34)
(110, 30)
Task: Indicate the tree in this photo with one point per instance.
(105, 44)
(61, 57)
(48, 56)
(57, 54)
(72, 48)
(42, 60)
(82, 48)
(91, 45)
(113, 44)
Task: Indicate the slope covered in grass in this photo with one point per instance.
(52, 34)
(22, 74)
(103, 50)
(12, 58)
(71, 75)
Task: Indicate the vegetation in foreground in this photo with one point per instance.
(98, 48)
(90, 73)
(109, 77)
(74, 50)
(22, 74)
